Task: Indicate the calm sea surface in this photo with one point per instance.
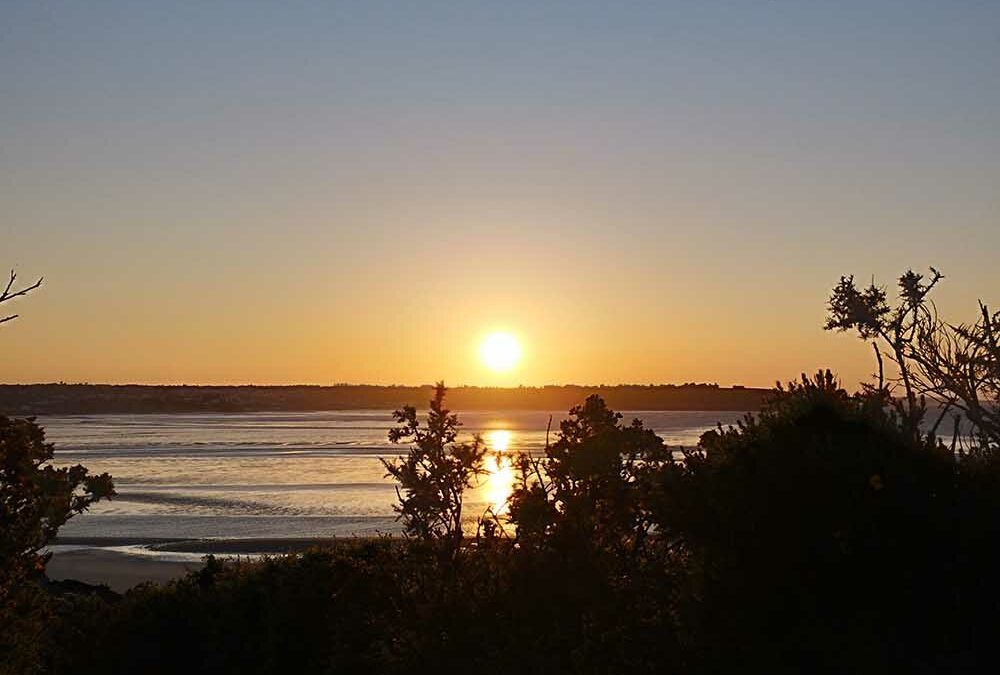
(281, 474)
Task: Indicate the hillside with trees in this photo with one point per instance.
(72, 399)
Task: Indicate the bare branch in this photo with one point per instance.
(881, 367)
(10, 295)
(7, 295)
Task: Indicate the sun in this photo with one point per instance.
(500, 352)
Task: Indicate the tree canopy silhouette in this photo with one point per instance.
(957, 366)
(433, 476)
(593, 486)
(37, 497)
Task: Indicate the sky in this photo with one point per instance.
(320, 192)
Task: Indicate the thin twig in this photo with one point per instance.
(8, 295)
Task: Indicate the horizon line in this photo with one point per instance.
(385, 386)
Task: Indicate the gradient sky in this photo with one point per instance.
(234, 192)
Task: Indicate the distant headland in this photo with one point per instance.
(79, 399)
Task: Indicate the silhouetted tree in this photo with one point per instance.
(434, 474)
(587, 545)
(956, 366)
(37, 498)
(593, 485)
(10, 294)
(869, 313)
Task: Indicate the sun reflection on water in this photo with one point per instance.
(498, 440)
(499, 480)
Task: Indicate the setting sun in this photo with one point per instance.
(500, 352)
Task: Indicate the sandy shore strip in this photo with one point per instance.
(117, 570)
(121, 563)
(243, 546)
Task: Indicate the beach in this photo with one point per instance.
(117, 570)
(121, 564)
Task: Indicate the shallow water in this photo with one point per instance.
(281, 475)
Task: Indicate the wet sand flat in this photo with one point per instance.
(100, 560)
(119, 571)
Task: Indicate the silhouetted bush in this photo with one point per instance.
(586, 542)
(820, 536)
(36, 499)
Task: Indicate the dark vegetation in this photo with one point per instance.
(830, 533)
(35, 500)
(80, 399)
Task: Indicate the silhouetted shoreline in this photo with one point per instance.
(82, 399)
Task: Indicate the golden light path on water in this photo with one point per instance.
(499, 481)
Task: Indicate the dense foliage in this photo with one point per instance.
(36, 498)
(821, 532)
(433, 477)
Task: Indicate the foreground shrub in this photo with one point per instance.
(36, 499)
(821, 536)
(587, 546)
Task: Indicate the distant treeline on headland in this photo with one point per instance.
(70, 399)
